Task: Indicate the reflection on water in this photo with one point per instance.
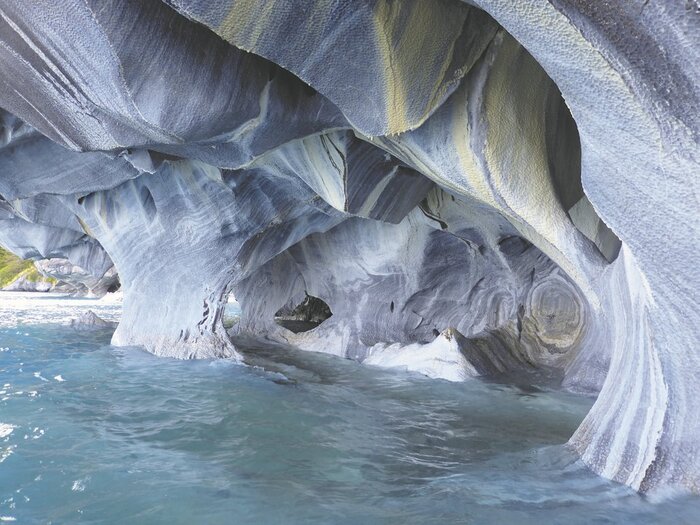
(91, 433)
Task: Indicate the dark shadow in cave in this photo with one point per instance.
(564, 159)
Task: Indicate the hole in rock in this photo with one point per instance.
(564, 160)
(305, 316)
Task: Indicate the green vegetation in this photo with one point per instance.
(12, 267)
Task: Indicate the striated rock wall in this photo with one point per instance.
(475, 189)
(451, 264)
(638, 149)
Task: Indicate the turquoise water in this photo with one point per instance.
(95, 434)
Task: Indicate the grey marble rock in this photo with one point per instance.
(361, 54)
(462, 267)
(639, 151)
(76, 280)
(90, 321)
(99, 81)
(483, 188)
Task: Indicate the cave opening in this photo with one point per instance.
(304, 316)
(564, 163)
(492, 271)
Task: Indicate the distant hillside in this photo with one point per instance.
(13, 268)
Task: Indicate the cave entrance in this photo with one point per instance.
(305, 316)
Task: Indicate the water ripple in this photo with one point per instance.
(296, 438)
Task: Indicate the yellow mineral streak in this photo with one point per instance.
(245, 23)
(404, 36)
(461, 136)
(247, 20)
(395, 102)
(516, 155)
(84, 226)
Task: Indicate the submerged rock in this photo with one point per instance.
(449, 356)
(471, 188)
(90, 321)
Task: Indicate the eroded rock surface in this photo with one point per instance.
(480, 188)
(90, 321)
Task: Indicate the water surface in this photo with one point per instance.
(90, 433)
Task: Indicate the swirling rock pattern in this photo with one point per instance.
(475, 189)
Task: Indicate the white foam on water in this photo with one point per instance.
(6, 429)
(59, 378)
(6, 453)
(33, 308)
(79, 484)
